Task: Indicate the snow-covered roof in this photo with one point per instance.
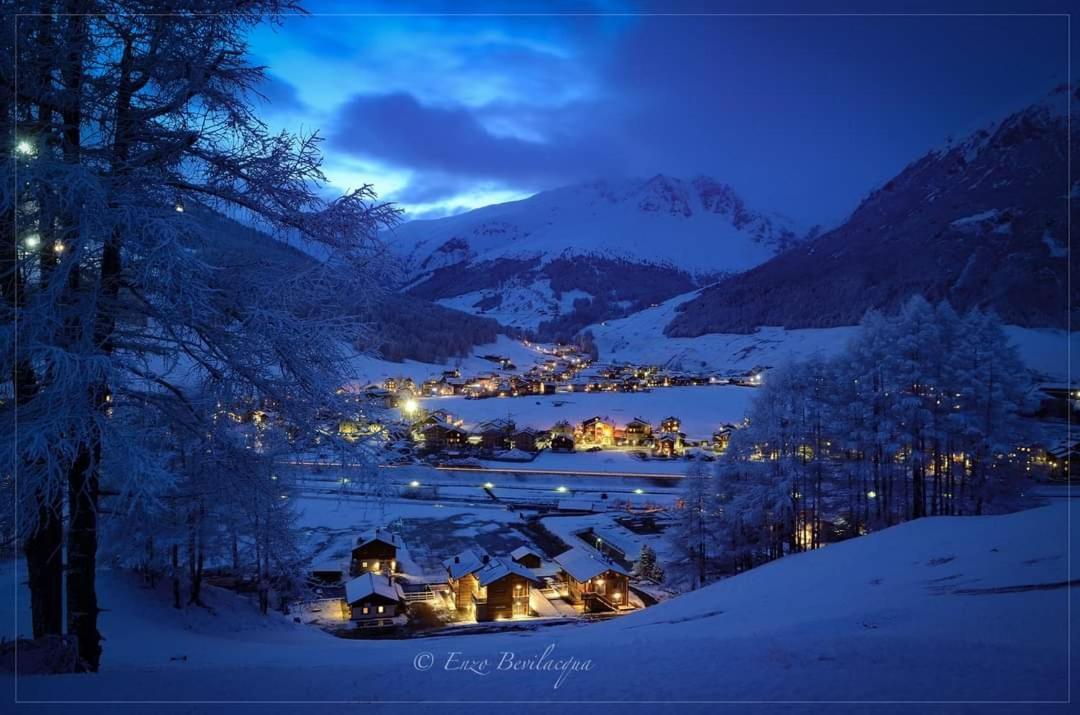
(523, 550)
(326, 566)
(370, 584)
(515, 455)
(384, 535)
(584, 564)
(499, 568)
(465, 563)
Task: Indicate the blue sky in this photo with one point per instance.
(802, 115)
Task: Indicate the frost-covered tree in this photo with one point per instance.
(916, 417)
(647, 567)
(128, 299)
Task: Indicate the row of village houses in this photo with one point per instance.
(480, 586)
(548, 378)
(440, 431)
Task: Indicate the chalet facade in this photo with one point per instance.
(443, 435)
(461, 578)
(593, 581)
(670, 424)
(503, 590)
(637, 432)
(668, 444)
(597, 431)
(376, 551)
(374, 599)
(526, 439)
(495, 435)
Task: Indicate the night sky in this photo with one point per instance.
(802, 115)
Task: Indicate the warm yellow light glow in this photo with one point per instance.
(375, 565)
(414, 483)
(561, 489)
(872, 494)
(488, 485)
(410, 406)
(58, 247)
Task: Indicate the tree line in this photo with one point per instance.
(918, 416)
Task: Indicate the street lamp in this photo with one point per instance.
(24, 147)
(410, 406)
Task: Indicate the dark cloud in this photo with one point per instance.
(398, 129)
(279, 95)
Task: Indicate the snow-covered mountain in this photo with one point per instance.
(982, 222)
(574, 249)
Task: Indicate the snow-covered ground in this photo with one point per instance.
(702, 409)
(640, 338)
(369, 369)
(941, 609)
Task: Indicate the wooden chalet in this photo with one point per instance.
(495, 435)
(593, 581)
(670, 424)
(668, 444)
(526, 557)
(637, 432)
(1064, 459)
(461, 577)
(721, 437)
(443, 435)
(503, 587)
(526, 439)
(375, 551)
(374, 599)
(597, 430)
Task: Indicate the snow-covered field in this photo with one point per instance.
(941, 609)
(368, 369)
(701, 409)
(640, 338)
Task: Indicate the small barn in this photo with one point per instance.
(593, 581)
(376, 551)
(373, 597)
(526, 557)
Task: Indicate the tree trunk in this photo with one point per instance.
(45, 569)
(82, 555)
(176, 575)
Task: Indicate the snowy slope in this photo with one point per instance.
(640, 338)
(698, 224)
(948, 609)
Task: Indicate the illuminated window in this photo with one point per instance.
(375, 565)
(382, 609)
(363, 564)
(366, 610)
